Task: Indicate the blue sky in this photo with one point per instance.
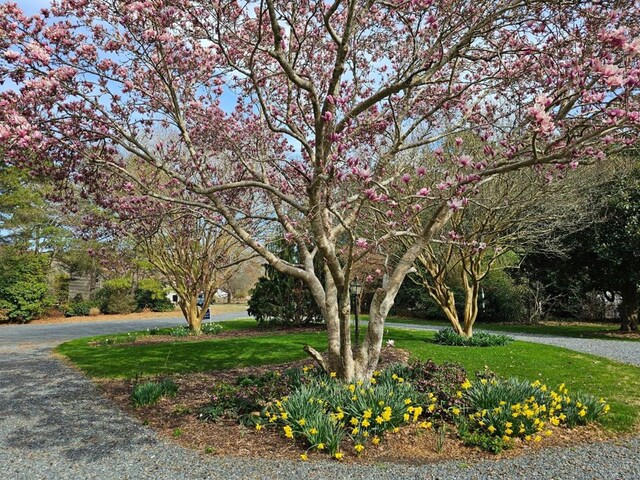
(32, 6)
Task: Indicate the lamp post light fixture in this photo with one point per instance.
(355, 288)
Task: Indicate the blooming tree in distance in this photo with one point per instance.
(305, 110)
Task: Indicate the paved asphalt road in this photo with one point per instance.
(59, 332)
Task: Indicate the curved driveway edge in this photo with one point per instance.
(54, 424)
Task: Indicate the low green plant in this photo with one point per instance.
(181, 331)
(488, 443)
(448, 336)
(323, 410)
(211, 328)
(79, 307)
(149, 393)
(116, 340)
(181, 410)
(211, 412)
(513, 408)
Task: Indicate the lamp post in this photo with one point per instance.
(355, 287)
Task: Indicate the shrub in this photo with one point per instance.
(115, 296)
(448, 336)
(24, 292)
(250, 394)
(94, 311)
(150, 392)
(439, 384)
(150, 294)
(78, 307)
(504, 299)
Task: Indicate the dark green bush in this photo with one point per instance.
(149, 393)
(502, 300)
(505, 301)
(150, 294)
(447, 336)
(79, 307)
(115, 296)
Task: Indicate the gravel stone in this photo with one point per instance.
(54, 424)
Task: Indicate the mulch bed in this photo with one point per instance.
(176, 418)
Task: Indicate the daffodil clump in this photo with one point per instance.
(325, 411)
(514, 409)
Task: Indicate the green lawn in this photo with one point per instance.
(618, 383)
(573, 330)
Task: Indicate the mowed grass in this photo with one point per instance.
(129, 361)
(558, 329)
(618, 383)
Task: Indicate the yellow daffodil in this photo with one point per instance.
(304, 457)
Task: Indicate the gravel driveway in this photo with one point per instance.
(54, 424)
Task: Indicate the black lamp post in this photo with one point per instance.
(355, 287)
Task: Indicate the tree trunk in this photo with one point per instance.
(336, 310)
(192, 314)
(471, 291)
(446, 301)
(629, 308)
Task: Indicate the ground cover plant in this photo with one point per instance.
(447, 336)
(149, 393)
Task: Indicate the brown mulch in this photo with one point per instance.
(176, 418)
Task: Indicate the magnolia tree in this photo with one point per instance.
(305, 107)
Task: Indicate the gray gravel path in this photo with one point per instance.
(60, 332)
(55, 425)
